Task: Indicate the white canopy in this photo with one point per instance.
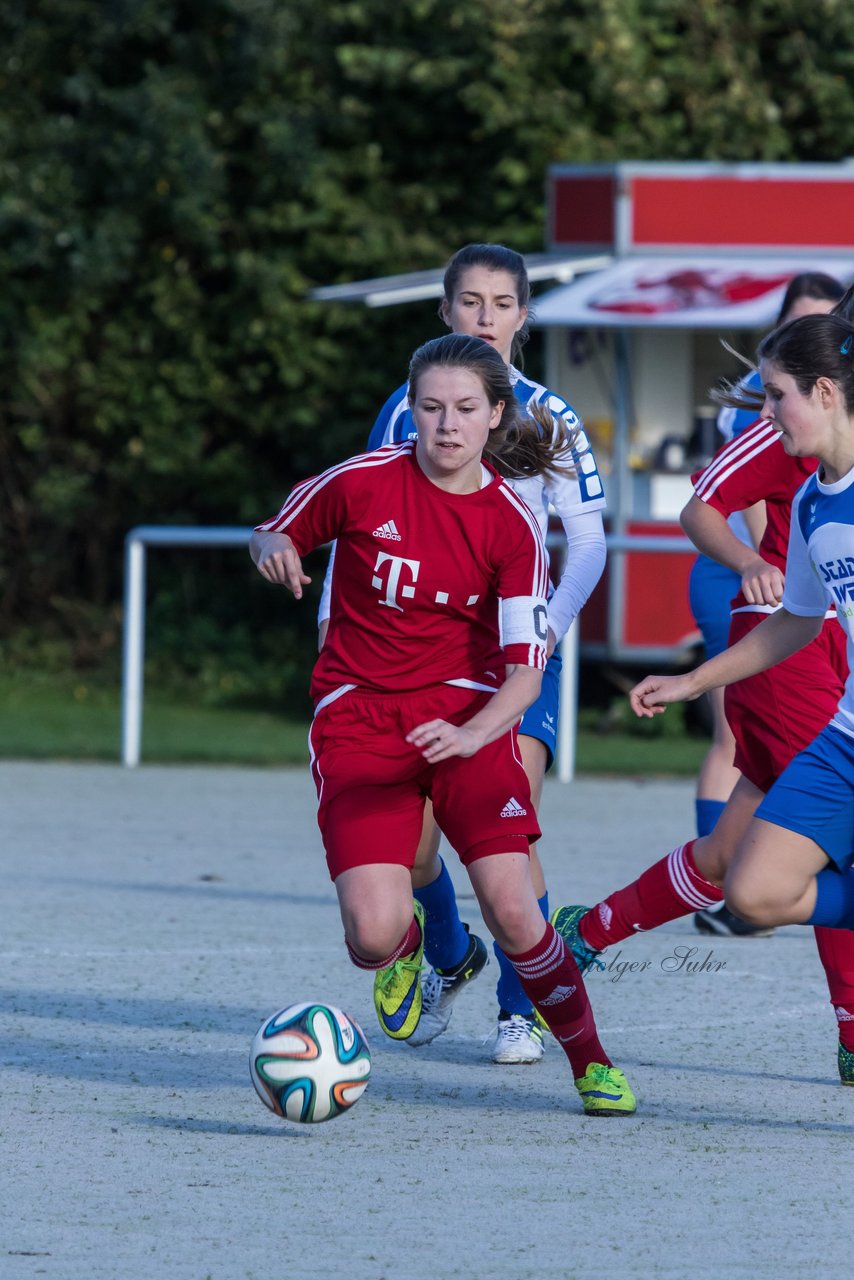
(726, 291)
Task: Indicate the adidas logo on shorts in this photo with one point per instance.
(513, 809)
(388, 530)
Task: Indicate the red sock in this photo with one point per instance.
(836, 952)
(670, 888)
(408, 943)
(551, 980)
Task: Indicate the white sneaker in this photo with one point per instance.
(518, 1039)
(439, 990)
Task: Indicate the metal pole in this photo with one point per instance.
(620, 502)
(134, 650)
(133, 645)
(567, 721)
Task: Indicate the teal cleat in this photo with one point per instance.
(845, 1061)
(565, 921)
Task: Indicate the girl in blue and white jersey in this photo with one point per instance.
(712, 587)
(787, 867)
(487, 295)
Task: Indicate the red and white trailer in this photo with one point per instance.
(697, 252)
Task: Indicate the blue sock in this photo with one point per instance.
(834, 903)
(511, 997)
(707, 813)
(445, 939)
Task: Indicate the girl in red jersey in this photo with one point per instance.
(412, 701)
(487, 294)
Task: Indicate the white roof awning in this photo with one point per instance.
(415, 286)
(725, 291)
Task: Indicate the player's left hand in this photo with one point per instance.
(437, 740)
(652, 694)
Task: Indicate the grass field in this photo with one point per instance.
(63, 718)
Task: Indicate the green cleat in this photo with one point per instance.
(397, 990)
(605, 1091)
(565, 921)
(845, 1060)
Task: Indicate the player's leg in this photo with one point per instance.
(446, 939)
(549, 976)
(711, 587)
(773, 715)
(483, 805)
(454, 956)
(687, 879)
(836, 952)
(519, 1036)
(793, 866)
(719, 776)
(370, 818)
(384, 934)
(772, 879)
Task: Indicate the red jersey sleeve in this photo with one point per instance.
(317, 509)
(751, 467)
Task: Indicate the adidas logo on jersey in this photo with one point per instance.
(513, 809)
(387, 531)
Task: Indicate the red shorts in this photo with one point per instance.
(778, 712)
(372, 785)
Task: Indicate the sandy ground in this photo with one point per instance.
(151, 919)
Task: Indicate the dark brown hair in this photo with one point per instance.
(521, 445)
(809, 284)
(789, 346)
(495, 257)
(813, 347)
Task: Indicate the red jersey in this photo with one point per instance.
(753, 467)
(419, 573)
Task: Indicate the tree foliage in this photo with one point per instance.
(176, 175)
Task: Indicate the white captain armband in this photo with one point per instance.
(524, 620)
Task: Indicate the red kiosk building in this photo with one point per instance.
(699, 252)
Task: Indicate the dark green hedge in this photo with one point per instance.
(175, 176)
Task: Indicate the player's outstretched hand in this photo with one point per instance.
(279, 563)
(762, 583)
(650, 697)
(437, 740)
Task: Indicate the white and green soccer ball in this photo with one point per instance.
(310, 1062)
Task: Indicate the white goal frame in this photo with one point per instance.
(144, 536)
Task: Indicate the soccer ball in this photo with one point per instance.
(310, 1062)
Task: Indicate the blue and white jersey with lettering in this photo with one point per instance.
(575, 494)
(820, 566)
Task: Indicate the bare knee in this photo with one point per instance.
(372, 933)
(751, 903)
(514, 926)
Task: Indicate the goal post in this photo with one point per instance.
(144, 536)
